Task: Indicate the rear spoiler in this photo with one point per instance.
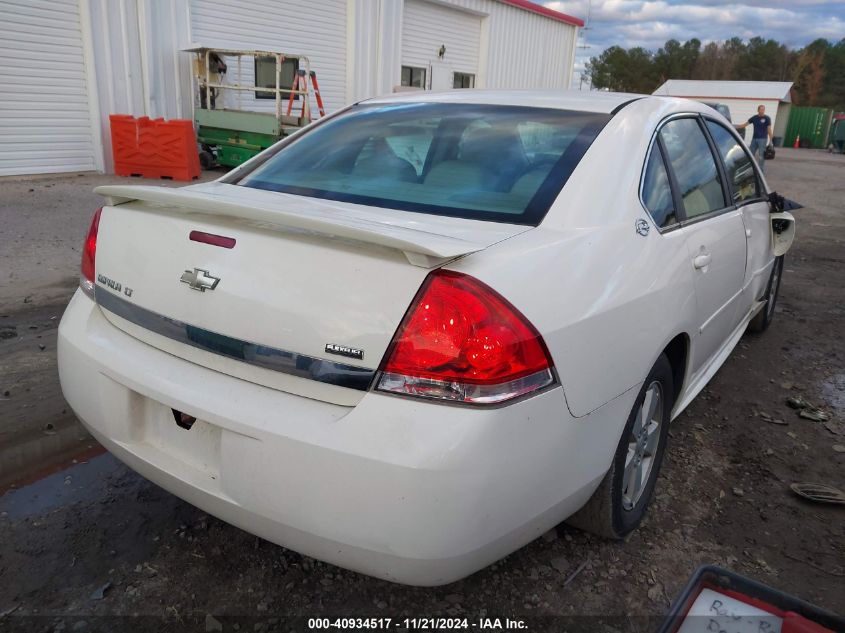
(421, 248)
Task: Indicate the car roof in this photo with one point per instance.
(584, 101)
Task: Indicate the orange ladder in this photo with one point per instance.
(301, 86)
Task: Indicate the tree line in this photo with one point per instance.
(817, 70)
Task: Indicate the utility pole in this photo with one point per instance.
(584, 45)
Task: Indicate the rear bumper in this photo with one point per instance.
(408, 491)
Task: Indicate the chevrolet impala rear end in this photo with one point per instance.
(377, 342)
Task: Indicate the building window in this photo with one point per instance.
(463, 80)
(413, 77)
(265, 76)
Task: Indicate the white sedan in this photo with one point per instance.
(421, 332)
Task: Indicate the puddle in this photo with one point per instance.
(833, 392)
(79, 482)
(23, 455)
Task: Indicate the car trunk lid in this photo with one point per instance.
(307, 298)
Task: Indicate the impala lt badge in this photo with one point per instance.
(199, 279)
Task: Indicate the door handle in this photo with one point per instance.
(702, 260)
(747, 232)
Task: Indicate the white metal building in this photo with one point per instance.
(742, 97)
(65, 65)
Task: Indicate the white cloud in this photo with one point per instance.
(649, 23)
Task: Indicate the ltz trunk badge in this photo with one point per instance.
(199, 279)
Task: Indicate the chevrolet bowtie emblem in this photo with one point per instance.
(199, 279)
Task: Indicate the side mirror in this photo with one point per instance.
(777, 203)
(783, 232)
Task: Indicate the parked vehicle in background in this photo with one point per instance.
(721, 108)
(837, 134)
(417, 334)
(725, 111)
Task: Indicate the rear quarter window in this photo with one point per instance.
(656, 191)
(499, 163)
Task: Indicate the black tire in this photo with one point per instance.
(606, 513)
(763, 319)
(206, 159)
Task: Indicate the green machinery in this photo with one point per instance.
(231, 129)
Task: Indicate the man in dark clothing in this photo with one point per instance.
(762, 134)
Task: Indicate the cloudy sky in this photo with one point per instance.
(649, 23)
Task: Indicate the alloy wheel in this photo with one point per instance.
(642, 446)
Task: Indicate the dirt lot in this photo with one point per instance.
(96, 540)
(43, 221)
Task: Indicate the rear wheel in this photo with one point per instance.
(619, 503)
(763, 318)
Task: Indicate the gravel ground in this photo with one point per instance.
(43, 221)
(96, 545)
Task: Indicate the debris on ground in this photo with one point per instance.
(807, 410)
(655, 593)
(212, 623)
(816, 415)
(561, 564)
(575, 573)
(821, 493)
(100, 592)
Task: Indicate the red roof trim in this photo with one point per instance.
(544, 11)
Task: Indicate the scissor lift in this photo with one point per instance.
(232, 135)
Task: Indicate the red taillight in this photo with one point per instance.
(89, 255)
(463, 341)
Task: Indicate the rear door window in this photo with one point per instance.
(657, 193)
(742, 180)
(499, 163)
(694, 166)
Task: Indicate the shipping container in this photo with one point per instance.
(811, 124)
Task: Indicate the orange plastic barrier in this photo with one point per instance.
(154, 148)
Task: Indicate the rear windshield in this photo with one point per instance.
(499, 163)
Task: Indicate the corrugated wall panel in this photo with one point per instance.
(516, 48)
(45, 122)
(362, 50)
(427, 26)
(744, 109)
(138, 63)
(374, 47)
(526, 50)
(302, 27)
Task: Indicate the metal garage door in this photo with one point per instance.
(45, 125)
(426, 27)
